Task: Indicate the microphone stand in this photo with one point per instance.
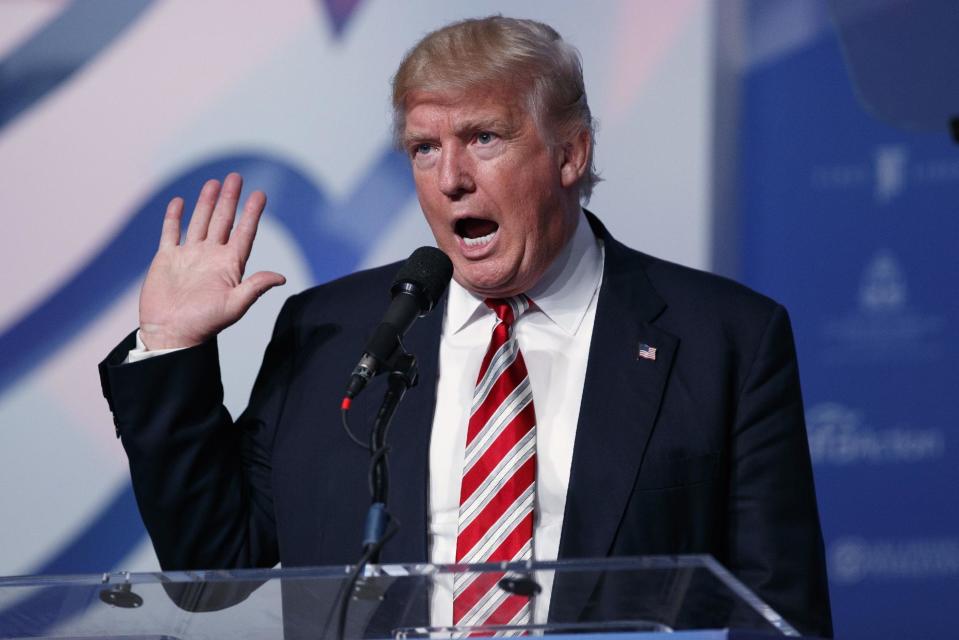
(403, 375)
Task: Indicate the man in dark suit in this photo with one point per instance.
(690, 434)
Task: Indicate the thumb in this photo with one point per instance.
(255, 286)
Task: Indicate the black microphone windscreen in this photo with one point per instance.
(429, 268)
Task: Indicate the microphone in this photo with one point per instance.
(417, 286)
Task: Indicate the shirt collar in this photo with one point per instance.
(563, 293)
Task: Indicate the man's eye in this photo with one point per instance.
(485, 137)
(422, 149)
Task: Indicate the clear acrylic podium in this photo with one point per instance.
(690, 597)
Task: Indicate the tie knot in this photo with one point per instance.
(508, 310)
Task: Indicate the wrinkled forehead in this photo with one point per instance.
(457, 106)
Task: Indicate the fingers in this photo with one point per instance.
(215, 212)
(170, 235)
(200, 219)
(245, 231)
(225, 211)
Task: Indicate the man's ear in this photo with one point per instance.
(575, 158)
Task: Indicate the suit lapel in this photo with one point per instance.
(621, 399)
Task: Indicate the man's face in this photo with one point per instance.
(492, 191)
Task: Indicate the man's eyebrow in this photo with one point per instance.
(411, 138)
(495, 125)
(464, 129)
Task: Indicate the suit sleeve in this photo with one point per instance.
(775, 541)
(202, 482)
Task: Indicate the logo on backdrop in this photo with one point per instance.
(839, 436)
(853, 560)
(882, 288)
(883, 327)
(889, 174)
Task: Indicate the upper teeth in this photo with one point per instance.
(472, 242)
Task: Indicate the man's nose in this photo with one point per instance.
(456, 172)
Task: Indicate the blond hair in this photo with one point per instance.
(523, 56)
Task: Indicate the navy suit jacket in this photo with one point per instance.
(701, 450)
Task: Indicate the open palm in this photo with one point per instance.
(195, 289)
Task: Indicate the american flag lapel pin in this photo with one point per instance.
(647, 352)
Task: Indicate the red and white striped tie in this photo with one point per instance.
(499, 478)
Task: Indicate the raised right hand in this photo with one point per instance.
(196, 289)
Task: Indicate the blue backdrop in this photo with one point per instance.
(853, 225)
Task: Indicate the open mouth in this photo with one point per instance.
(475, 232)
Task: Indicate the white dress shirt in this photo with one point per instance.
(554, 336)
